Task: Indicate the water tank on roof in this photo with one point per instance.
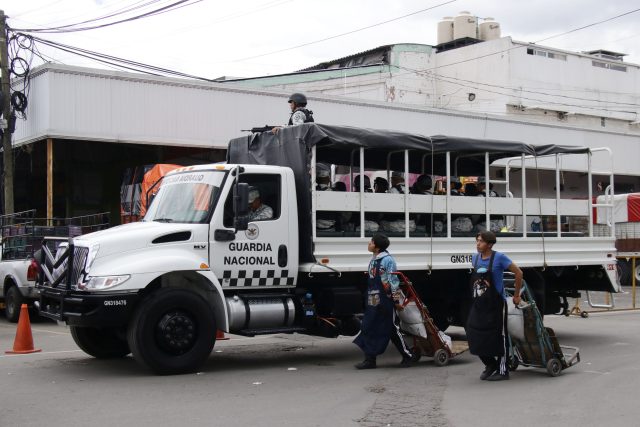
(465, 25)
(445, 30)
(489, 29)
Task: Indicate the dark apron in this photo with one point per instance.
(485, 322)
(377, 322)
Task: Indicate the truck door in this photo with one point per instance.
(260, 256)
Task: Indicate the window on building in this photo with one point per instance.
(546, 54)
(609, 66)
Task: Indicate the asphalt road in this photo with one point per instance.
(303, 381)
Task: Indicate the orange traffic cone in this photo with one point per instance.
(23, 343)
(220, 335)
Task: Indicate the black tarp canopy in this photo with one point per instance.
(292, 146)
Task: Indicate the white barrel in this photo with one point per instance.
(489, 29)
(465, 25)
(445, 30)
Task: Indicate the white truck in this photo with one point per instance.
(162, 287)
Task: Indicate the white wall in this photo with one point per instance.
(75, 103)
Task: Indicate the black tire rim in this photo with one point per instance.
(442, 356)
(176, 332)
(10, 304)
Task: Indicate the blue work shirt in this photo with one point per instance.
(501, 263)
(387, 266)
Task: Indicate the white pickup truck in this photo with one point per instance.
(197, 263)
(18, 285)
(22, 234)
(18, 269)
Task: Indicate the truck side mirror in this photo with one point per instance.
(241, 206)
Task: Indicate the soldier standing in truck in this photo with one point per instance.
(299, 112)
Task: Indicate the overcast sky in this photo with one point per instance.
(213, 38)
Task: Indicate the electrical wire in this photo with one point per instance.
(74, 28)
(115, 61)
(345, 34)
(337, 84)
(520, 89)
(118, 12)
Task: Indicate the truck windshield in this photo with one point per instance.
(186, 197)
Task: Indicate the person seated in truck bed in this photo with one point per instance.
(482, 188)
(367, 184)
(257, 210)
(326, 221)
(424, 186)
(395, 222)
(397, 183)
(380, 185)
(470, 189)
(456, 186)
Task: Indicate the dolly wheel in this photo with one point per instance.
(584, 314)
(441, 357)
(415, 354)
(513, 363)
(554, 367)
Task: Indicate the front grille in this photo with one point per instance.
(79, 262)
(59, 274)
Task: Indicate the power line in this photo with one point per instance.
(73, 27)
(519, 89)
(589, 25)
(345, 34)
(113, 60)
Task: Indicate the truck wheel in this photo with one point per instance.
(13, 301)
(624, 272)
(172, 332)
(100, 343)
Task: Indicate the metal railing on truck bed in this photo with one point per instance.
(22, 232)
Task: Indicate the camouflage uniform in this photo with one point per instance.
(263, 212)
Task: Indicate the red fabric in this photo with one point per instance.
(633, 207)
(150, 178)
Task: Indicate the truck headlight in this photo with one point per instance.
(103, 282)
(93, 252)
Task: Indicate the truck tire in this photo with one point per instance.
(624, 272)
(172, 332)
(100, 343)
(13, 301)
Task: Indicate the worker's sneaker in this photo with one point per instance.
(487, 372)
(496, 376)
(406, 362)
(367, 364)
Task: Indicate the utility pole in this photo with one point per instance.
(6, 112)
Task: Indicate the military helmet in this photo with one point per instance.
(299, 99)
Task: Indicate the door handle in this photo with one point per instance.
(282, 256)
(221, 235)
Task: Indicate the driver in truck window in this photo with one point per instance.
(257, 210)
